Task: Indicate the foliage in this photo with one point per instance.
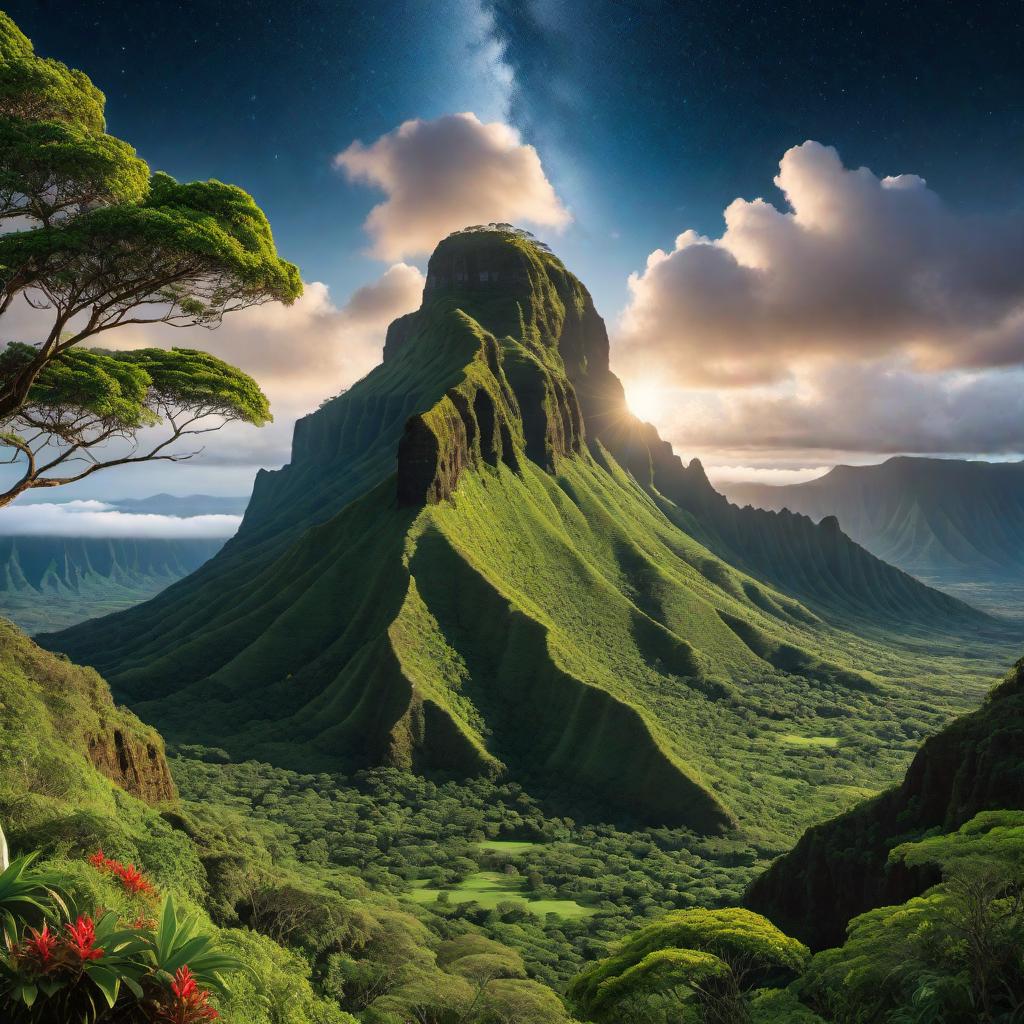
(989, 839)
(26, 891)
(99, 971)
(428, 832)
(85, 398)
(780, 1006)
(710, 956)
(952, 955)
(109, 245)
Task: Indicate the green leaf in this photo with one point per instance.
(106, 980)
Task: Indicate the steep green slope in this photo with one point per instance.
(62, 737)
(955, 524)
(507, 598)
(839, 869)
(50, 583)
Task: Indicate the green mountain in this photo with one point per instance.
(50, 583)
(840, 869)
(956, 524)
(479, 562)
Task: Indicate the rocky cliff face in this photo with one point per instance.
(839, 869)
(69, 709)
(134, 760)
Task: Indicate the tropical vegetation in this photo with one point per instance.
(94, 242)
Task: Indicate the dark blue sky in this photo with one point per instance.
(649, 116)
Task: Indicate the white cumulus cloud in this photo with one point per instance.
(447, 173)
(845, 410)
(97, 519)
(858, 267)
(299, 354)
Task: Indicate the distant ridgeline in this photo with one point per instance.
(478, 561)
(51, 582)
(955, 524)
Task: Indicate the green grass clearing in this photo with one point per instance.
(489, 888)
(509, 846)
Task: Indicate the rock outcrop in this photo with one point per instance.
(71, 707)
(134, 760)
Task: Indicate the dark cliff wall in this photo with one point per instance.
(839, 869)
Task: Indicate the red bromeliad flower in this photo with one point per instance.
(131, 878)
(82, 939)
(40, 946)
(188, 1003)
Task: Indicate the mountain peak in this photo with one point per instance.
(479, 561)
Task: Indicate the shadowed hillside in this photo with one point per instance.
(839, 869)
(66, 713)
(478, 561)
(955, 524)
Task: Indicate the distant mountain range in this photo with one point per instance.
(51, 582)
(185, 506)
(956, 524)
(479, 562)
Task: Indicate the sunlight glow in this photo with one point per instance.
(646, 399)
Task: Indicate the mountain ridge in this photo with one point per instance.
(54, 582)
(492, 449)
(958, 524)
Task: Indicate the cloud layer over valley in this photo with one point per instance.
(98, 519)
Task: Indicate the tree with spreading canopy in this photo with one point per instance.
(954, 955)
(94, 241)
(692, 965)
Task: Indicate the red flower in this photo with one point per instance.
(82, 939)
(133, 880)
(189, 1004)
(40, 947)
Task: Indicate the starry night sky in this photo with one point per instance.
(649, 116)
